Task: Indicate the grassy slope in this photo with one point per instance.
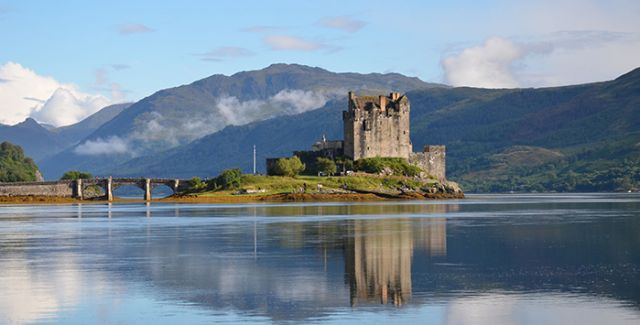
(369, 183)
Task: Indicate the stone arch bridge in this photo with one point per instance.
(78, 188)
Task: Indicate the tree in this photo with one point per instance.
(229, 178)
(326, 165)
(288, 166)
(74, 175)
(14, 166)
(196, 184)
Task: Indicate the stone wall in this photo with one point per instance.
(377, 127)
(59, 188)
(432, 160)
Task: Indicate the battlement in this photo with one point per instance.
(391, 103)
(377, 126)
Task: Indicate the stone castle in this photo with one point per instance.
(377, 126)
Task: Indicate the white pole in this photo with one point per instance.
(254, 159)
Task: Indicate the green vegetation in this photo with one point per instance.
(288, 167)
(611, 166)
(285, 184)
(376, 165)
(196, 184)
(14, 166)
(228, 179)
(326, 166)
(74, 174)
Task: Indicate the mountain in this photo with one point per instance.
(573, 138)
(176, 116)
(75, 133)
(184, 113)
(233, 146)
(39, 141)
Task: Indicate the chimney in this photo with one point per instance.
(394, 96)
(383, 102)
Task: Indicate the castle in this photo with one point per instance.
(377, 126)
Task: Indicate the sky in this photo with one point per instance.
(61, 61)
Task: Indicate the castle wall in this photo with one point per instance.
(377, 127)
(432, 160)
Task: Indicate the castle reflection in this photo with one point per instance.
(379, 253)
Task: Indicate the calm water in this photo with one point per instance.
(504, 259)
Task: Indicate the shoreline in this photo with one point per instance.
(198, 199)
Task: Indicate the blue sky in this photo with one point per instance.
(110, 51)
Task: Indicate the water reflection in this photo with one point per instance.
(460, 263)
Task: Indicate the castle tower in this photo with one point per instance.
(377, 126)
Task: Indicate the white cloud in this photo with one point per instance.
(226, 52)
(104, 84)
(65, 107)
(293, 43)
(343, 23)
(111, 145)
(553, 59)
(128, 29)
(24, 93)
(155, 129)
(490, 65)
(300, 100)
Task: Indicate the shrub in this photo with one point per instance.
(288, 166)
(229, 178)
(345, 163)
(196, 184)
(74, 175)
(326, 165)
(376, 165)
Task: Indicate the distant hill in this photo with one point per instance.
(574, 138)
(40, 141)
(15, 166)
(577, 138)
(36, 140)
(176, 116)
(75, 133)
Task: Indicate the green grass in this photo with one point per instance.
(285, 184)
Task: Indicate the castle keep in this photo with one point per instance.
(377, 127)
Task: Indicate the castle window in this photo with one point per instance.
(366, 125)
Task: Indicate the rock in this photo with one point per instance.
(453, 187)
(39, 177)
